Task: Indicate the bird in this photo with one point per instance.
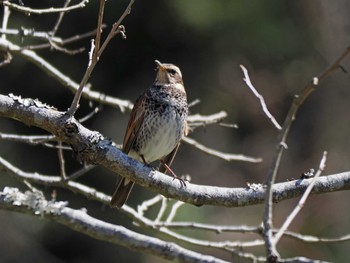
(157, 123)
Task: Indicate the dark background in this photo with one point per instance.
(284, 44)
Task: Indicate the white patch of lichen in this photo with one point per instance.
(34, 200)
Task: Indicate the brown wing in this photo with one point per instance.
(124, 187)
(135, 122)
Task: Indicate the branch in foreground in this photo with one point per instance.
(161, 227)
(34, 203)
(92, 147)
(78, 220)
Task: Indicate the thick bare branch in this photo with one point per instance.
(92, 147)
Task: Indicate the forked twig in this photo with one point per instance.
(297, 102)
(97, 52)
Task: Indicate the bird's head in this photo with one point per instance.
(168, 74)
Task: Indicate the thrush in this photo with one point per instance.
(156, 125)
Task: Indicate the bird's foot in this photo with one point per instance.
(181, 180)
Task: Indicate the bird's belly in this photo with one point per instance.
(163, 136)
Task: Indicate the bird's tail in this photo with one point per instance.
(122, 192)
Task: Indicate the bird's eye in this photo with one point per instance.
(172, 72)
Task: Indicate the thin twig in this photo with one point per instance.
(198, 120)
(225, 156)
(91, 53)
(61, 161)
(30, 139)
(6, 54)
(173, 211)
(53, 42)
(80, 172)
(90, 115)
(59, 19)
(162, 209)
(228, 125)
(301, 202)
(260, 97)
(314, 239)
(207, 227)
(34, 140)
(5, 21)
(71, 52)
(282, 138)
(193, 103)
(50, 10)
(214, 244)
(99, 28)
(25, 32)
(248, 229)
(147, 204)
(80, 36)
(116, 28)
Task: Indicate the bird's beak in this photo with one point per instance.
(159, 65)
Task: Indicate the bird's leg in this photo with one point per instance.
(182, 181)
(144, 161)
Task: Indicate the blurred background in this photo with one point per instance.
(283, 44)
